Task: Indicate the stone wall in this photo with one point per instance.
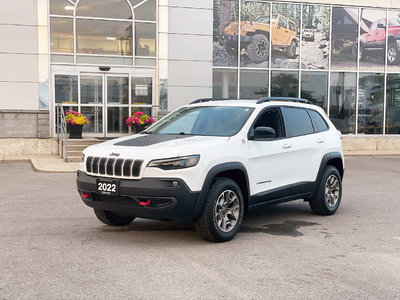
(24, 124)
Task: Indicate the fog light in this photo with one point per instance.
(175, 183)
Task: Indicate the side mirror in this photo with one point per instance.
(263, 133)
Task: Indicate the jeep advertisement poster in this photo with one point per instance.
(285, 35)
(393, 33)
(255, 35)
(344, 38)
(372, 39)
(226, 33)
(315, 37)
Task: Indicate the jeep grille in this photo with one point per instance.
(113, 167)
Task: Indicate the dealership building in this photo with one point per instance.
(110, 58)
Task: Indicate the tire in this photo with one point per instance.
(392, 54)
(232, 51)
(363, 55)
(111, 218)
(258, 49)
(210, 225)
(291, 50)
(323, 204)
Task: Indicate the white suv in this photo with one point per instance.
(212, 161)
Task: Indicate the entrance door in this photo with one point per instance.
(107, 100)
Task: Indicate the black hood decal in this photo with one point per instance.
(150, 139)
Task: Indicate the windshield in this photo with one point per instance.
(394, 22)
(203, 120)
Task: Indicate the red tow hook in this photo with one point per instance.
(145, 203)
(85, 195)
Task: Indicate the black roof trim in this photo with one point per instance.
(210, 99)
(290, 99)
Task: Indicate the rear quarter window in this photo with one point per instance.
(297, 121)
(319, 122)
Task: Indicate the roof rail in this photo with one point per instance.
(290, 99)
(209, 99)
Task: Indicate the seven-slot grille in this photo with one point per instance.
(113, 167)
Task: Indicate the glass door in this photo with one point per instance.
(106, 99)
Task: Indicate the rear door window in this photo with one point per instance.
(297, 121)
(318, 121)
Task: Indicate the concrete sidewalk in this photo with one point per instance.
(55, 164)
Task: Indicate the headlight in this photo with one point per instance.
(175, 163)
(83, 157)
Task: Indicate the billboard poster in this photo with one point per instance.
(226, 33)
(315, 37)
(285, 35)
(393, 32)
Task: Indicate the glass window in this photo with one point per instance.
(393, 104)
(142, 90)
(255, 47)
(66, 89)
(210, 121)
(146, 11)
(297, 121)
(315, 37)
(373, 40)
(118, 90)
(225, 84)
(253, 84)
(95, 116)
(285, 36)
(271, 118)
(145, 39)
(104, 37)
(61, 7)
(342, 110)
(61, 35)
(344, 38)
(91, 89)
(116, 117)
(318, 121)
(314, 87)
(226, 33)
(117, 9)
(284, 84)
(370, 103)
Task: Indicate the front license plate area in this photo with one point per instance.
(108, 187)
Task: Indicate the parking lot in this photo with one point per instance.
(53, 247)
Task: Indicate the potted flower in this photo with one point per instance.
(75, 122)
(139, 121)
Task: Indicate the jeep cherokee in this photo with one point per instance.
(214, 161)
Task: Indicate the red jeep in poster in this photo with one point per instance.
(375, 40)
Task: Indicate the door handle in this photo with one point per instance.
(320, 141)
(287, 146)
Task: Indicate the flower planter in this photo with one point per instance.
(138, 128)
(75, 131)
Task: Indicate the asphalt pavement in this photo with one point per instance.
(53, 247)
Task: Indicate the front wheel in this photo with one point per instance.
(223, 211)
(258, 49)
(327, 199)
(111, 218)
(392, 54)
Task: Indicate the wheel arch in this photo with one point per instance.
(329, 159)
(392, 39)
(232, 170)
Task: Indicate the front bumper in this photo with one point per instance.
(234, 38)
(168, 201)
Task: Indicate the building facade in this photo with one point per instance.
(110, 58)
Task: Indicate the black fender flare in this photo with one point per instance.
(209, 179)
(327, 157)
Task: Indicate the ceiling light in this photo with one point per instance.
(110, 38)
(68, 7)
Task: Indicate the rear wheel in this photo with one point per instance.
(258, 49)
(327, 199)
(291, 50)
(111, 218)
(223, 211)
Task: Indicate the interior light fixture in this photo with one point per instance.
(110, 38)
(68, 7)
